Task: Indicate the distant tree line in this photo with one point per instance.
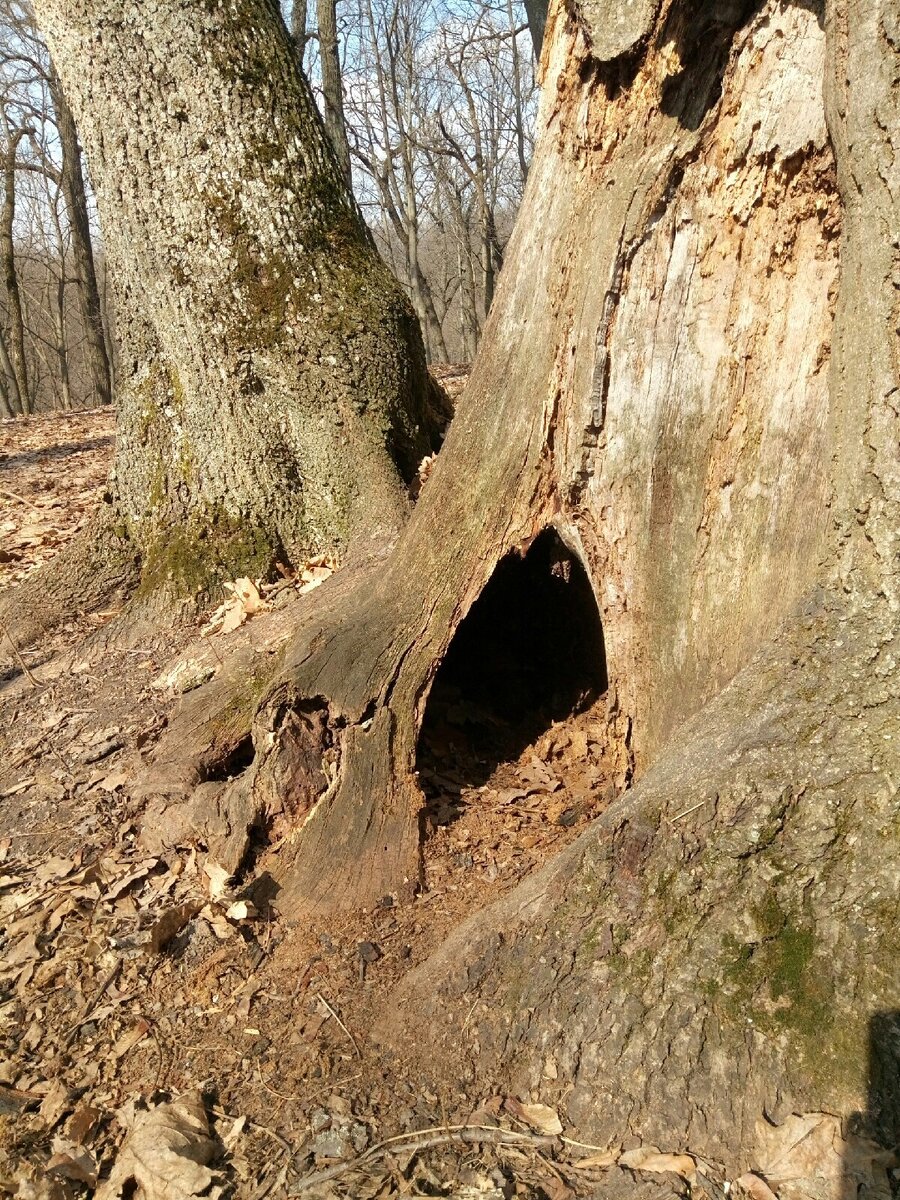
(55, 345)
(429, 105)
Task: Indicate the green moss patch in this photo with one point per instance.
(195, 558)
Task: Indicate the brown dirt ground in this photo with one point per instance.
(126, 977)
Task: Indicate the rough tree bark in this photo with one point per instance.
(273, 399)
(652, 385)
(720, 953)
(673, 379)
(72, 178)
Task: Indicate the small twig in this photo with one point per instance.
(45, 832)
(20, 499)
(66, 766)
(272, 1092)
(332, 1086)
(342, 1025)
(276, 1179)
(584, 1145)
(15, 789)
(216, 655)
(551, 1167)
(687, 812)
(469, 1016)
(160, 1062)
(425, 1139)
(94, 1000)
(220, 1112)
(22, 663)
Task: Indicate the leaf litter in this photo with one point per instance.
(162, 1034)
(53, 470)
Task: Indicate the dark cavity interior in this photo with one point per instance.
(529, 652)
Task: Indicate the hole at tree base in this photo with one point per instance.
(516, 731)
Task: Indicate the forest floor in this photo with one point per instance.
(129, 977)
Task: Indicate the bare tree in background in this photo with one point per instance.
(440, 107)
(12, 137)
(438, 103)
(54, 349)
(332, 87)
(85, 271)
(298, 31)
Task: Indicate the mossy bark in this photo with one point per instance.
(721, 950)
(638, 390)
(273, 398)
(670, 380)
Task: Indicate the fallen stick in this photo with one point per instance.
(426, 1139)
(21, 499)
(21, 660)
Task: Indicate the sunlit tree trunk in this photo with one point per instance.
(652, 385)
(273, 400)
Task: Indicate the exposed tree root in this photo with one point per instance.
(97, 568)
(719, 950)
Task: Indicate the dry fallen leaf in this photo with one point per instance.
(214, 917)
(756, 1188)
(244, 601)
(556, 1189)
(24, 951)
(650, 1158)
(13, 1101)
(219, 879)
(165, 1155)
(55, 1103)
(130, 1038)
(310, 577)
(606, 1158)
(170, 924)
(71, 1161)
(801, 1147)
(112, 783)
(124, 882)
(539, 1116)
(83, 1123)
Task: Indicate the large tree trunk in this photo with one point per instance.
(720, 953)
(652, 386)
(273, 399)
(689, 375)
(72, 178)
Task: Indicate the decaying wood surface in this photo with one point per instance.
(653, 385)
(720, 951)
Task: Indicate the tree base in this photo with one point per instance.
(721, 949)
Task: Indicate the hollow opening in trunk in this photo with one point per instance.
(530, 652)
